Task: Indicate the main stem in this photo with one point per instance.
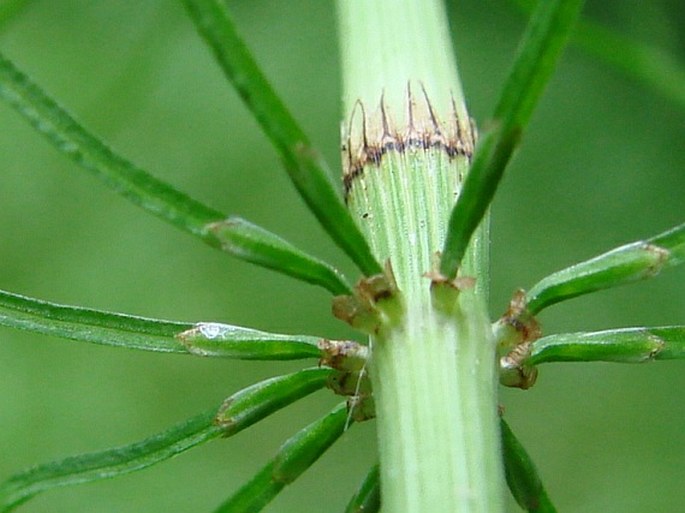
(407, 143)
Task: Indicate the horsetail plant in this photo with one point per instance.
(413, 217)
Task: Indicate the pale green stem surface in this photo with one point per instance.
(433, 372)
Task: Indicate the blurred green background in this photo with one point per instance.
(602, 164)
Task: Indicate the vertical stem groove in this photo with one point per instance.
(407, 143)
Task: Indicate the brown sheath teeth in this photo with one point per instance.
(369, 137)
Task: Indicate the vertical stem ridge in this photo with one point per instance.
(407, 143)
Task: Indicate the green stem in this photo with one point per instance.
(622, 265)
(295, 456)
(109, 463)
(406, 151)
(653, 67)
(626, 345)
(368, 497)
(539, 50)
(235, 236)
(238, 412)
(522, 476)
(306, 168)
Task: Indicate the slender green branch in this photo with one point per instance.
(236, 237)
(260, 400)
(109, 463)
(227, 341)
(522, 476)
(626, 264)
(490, 159)
(650, 65)
(294, 457)
(306, 168)
(368, 497)
(254, 244)
(86, 325)
(132, 332)
(238, 412)
(70, 138)
(545, 38)
(627, 345)
(538, 53)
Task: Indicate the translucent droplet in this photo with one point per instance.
(212, 330)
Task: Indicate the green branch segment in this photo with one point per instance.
(306, 168)
(368, 496)
(260, 400)
(237, 237)
(64, 132)
(648, 64)
(87, 325)
(655, 68)
(626, 345)
(626, 264)
(110, 463)
(295, 456)
(237, 413)
(522, 476)
(227, 341)
(540, 49)
(132, 332)
(259, 246)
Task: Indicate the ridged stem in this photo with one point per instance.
(407, 142)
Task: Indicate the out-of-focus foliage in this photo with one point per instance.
(602, 164)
